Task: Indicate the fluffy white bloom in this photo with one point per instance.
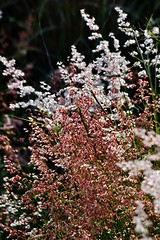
(156, 61)
(151, 181)
(134, 53)
(95, 35)
(155, 30)
(89, 21)
(148, 42)
(77, 58)
(115, 41)
(123, 25)
(138, 64)
(129, 42)
(10, 69)
(135, 167)
(142, 73)
(141, 220)
(150, 138)
(151, 185)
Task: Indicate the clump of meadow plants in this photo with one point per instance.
(74, 188)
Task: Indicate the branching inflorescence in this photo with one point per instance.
(80, 141)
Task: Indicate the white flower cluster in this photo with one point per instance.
(148, 43)
(135, 167)
(77, 59)
(142, 222)
(89, 21)
(149, 138)
(151, 185)
(115, 41)
(10, 68)
(22, 221)
(123, 25)
(8, 204)
(151, 181)
(155, 30)
(129, 42)
(109, 67)
(146, 54)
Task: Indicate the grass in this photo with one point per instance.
(71, 184)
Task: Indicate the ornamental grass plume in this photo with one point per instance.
(75, 189)
(80, 138)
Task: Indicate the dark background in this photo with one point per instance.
(39, 33)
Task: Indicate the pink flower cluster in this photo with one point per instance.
(80, 140)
